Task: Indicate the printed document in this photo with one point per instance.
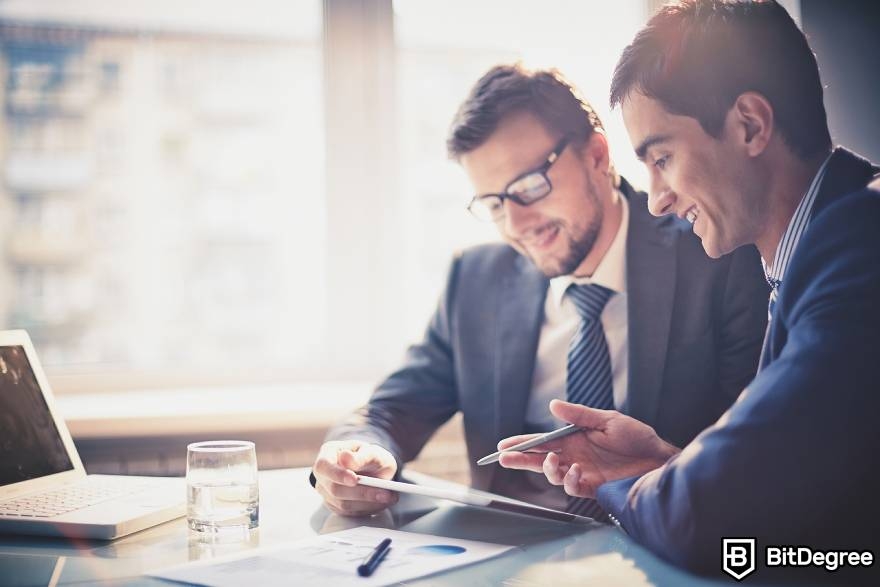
(332, 559)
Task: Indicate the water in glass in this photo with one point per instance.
(222, 488)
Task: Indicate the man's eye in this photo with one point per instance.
(660, 163)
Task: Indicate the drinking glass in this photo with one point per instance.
(222, 493)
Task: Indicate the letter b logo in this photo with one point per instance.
(738, 557)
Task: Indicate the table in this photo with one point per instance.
(546, 553)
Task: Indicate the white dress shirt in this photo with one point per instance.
(561, 321)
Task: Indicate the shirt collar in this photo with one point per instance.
(796, 227)
(611, 271)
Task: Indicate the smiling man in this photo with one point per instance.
(722, 101)
(589, 299)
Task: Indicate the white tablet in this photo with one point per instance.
(476, 498)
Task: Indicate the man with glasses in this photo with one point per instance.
(591, 299)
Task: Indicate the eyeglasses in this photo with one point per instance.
(525, 190)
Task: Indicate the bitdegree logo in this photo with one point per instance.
(739, 554)
(804, 556)
(738, 557)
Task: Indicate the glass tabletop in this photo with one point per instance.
(546, 552)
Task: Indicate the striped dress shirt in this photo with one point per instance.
(790, 238)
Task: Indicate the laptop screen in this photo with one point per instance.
(30, 445)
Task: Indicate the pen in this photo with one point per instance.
(366, 568)
(558, 433)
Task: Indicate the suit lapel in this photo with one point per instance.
(765, 346)
(521, 312)
(651, 264)
(846, 172)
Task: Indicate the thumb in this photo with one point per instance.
(367, 458)
(352, 459)
(580, 415)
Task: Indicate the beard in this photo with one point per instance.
(579, 238)
(579, 241)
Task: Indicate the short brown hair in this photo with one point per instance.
(511, 89)
(695, 57)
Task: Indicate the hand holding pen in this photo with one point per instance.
(606, 446)
(531, 441)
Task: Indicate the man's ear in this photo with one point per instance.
(595, 152)
(752, 121)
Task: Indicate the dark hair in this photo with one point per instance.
(511, 89)
(695, 57)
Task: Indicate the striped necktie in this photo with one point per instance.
(774, 294)
(589, 365)
(589, 369)
(771, 305)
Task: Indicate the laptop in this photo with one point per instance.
(44, 489)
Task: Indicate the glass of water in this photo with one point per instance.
(222, 493)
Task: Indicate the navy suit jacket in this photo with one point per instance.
(695, 330)
(794, 461)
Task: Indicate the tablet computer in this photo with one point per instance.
(474, 497)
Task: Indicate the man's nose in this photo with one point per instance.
(661, 199)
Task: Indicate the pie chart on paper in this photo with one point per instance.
(436, 550)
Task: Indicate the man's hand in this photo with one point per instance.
(612, 446)
(336, 469)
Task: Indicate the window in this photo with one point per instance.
(442, 49)
(162, 177)
(258, 190)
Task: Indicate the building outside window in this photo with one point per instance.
(173, 205)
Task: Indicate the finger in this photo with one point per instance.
(369, 459)
(377, 461)
(336, 501)
(571, 481)
(354, 460)
(522, 461)
(508, 442)
(552, 469)
(580, 415)
(359, 493)
(327, 469)
(581, 483)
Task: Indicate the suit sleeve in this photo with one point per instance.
(793, 460)
(414, 401)
(743, 322)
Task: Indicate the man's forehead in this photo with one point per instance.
(648, 123)
(643, 114)
(517, 144)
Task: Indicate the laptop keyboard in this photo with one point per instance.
(70, 498)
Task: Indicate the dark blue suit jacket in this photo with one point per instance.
(795, 459)
(695, 329)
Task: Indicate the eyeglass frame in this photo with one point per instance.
(506, 195)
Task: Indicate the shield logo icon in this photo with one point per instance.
(738, 557)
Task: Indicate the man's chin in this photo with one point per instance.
(713, 249)
(547, 263)
(553, 267)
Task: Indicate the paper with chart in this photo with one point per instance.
(332, 559)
